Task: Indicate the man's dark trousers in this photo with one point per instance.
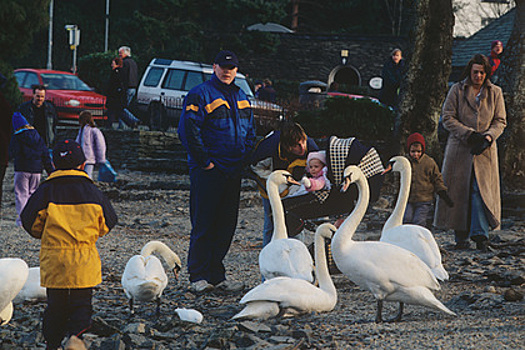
(214, 207)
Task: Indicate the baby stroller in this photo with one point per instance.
(301, 210)
(306, 211)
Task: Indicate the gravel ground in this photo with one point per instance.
(482, 290)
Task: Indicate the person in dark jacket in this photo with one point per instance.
(5, 133)
(31, 156)
(41, 114)
(68, 213)
(217, 129)
(392, 74)
(116, 98)
(267, 92)
(129, 74)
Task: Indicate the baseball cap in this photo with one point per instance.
(67, 155)
(226, 58)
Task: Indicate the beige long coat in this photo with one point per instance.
(462, 115)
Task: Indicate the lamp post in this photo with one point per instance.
(50, 37)
(106, 38)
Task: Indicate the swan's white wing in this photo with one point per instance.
(382, 267)
(291, 293)
(32, 289)
(286, 257)
(261, 310)
(6, 314)
(13, 275)
(420, 241)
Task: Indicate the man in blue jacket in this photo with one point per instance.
(217, 129)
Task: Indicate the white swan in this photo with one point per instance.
(283, 256)
(389, 272)
(144, 278)
(418, 239)
(32, 290)
(13, 275)
(291, 296)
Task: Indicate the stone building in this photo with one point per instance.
(301, 57)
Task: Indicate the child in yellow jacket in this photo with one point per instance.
(68, 213)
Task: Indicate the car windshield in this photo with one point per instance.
(55, 81)
(240, 82)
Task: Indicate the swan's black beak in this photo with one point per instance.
(346, 183)
(388, 168)
(176, 271)
(291, 181)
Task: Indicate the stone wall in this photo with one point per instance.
(141, 150)
(312, 57)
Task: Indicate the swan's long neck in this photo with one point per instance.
(343, 236)
(279, 224)
(163, 250)
(321, 266)
(396, 218)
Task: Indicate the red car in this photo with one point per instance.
(66, 91)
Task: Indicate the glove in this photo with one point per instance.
(475, 139)
(444, 196)
(479, 148)
(306, 182)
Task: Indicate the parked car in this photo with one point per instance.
(66, 91)
(165, 83)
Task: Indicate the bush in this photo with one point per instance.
(346, 117)
(95, 69)
(11, 92)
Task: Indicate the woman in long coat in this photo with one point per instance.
(474, 114)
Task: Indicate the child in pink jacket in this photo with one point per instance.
(315, 178)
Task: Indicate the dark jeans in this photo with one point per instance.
(68, 313)
(214, 207)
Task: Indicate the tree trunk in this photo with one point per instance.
(425, 85)
(512, 80)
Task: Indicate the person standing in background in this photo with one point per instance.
(5, 133)
(496, 49)
(41, 114)
(92, 141)
(217, 130)
(129, 74)
(116, 98)
(31, 156)
(267, 92)
(474, 114)
(392, 74)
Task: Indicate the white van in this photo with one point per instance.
(165, 83)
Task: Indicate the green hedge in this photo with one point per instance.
(95, 69)
(346, 117)
(11, 92)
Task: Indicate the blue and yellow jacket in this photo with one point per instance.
(217, 126)
(68, 213)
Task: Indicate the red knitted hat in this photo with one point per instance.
(416, 137)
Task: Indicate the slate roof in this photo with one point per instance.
(479, 42)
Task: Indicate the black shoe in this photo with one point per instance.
(482, 243)
(482, 246)
(462, 245)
